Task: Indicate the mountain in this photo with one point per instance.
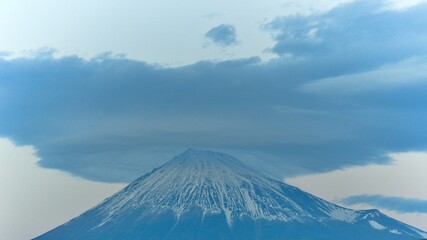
(210, 195)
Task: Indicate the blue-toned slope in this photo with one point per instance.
(210, 195)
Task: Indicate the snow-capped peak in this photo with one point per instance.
(197, 187)
(214, 182)
(218, 183)
(205, 162)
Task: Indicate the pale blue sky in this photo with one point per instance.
(164, 32)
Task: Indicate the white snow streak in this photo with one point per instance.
(376, 225)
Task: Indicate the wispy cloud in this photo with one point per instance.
(355, 36)
(398, 75)
(398, 204)
(223, 35)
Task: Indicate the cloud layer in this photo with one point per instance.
(401, 205)
(112, 118)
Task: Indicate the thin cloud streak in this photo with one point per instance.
(397, 204)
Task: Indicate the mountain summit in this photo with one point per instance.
(211, 195)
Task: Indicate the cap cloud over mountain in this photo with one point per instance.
(337, 95)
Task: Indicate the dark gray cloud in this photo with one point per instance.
(356, 36)
(397, 204)
(223, 35)
(112, 119)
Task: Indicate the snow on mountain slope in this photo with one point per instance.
(201, 192)
(215, 182)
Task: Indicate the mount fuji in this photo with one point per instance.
(210, 195)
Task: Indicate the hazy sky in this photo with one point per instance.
(164, 32)
(35, 200)
(106, 91)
